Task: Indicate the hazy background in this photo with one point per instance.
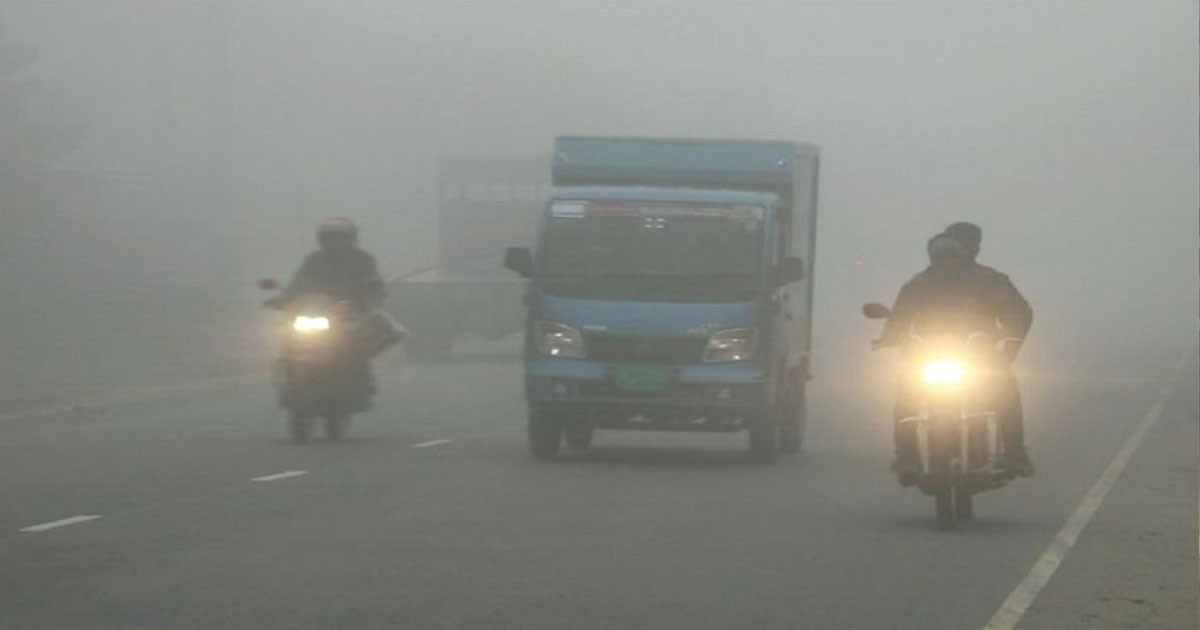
(158, 156)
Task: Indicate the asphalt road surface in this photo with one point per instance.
(433, 516)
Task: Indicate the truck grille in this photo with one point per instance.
(645, 350)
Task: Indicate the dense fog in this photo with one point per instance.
(159, 156)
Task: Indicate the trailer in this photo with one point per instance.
(483, 203)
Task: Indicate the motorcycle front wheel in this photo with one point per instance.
(335, 427)
(964, 505)
(944, 502)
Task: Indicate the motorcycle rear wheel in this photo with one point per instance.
(300, 428)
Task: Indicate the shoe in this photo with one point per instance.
(1018, 464)
(907, 469)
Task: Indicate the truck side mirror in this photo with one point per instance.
(520, 260)
(789, 270)
(875, 310)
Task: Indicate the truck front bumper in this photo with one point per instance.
(703, 397)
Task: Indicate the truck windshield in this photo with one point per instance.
(653, 251)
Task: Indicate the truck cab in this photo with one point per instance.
(668, 291)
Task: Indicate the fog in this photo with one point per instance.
(160, 156)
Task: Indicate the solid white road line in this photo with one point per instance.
(62, 523)
(282, 475)
(1019, 601)
(430, 443)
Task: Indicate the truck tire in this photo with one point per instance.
(764, 438)
(429, 347)
(545, 433)
(793, 424)
(578, 435)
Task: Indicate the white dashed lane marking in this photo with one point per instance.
(282, 475)
(431, 443)
(61, 523)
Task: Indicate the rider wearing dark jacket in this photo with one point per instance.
(338, 269)
(956, 294)
(345, 273)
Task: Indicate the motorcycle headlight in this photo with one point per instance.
(306, 324)
(738, 344)
(558, 340)
(944, 372)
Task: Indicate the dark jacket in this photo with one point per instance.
(349, 275)
(971, 298)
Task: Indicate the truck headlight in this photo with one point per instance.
(738, 344)
(558, 340)
(944, 372)
(306, 324)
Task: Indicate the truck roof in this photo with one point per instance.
(590, 160)
(648, 193)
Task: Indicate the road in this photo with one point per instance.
(433, 516)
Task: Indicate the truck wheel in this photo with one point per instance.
(579, 435)
(792, 425)
(430, 347)
(300, 428)
(545, 433)
(764, 438)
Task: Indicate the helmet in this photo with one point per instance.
(337, 233)
(967, 234)
(945, 250)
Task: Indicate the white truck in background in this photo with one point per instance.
(483, 204)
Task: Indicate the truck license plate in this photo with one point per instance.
(641, 378)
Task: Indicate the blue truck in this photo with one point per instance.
(670, 288)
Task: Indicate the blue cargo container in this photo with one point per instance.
(671, 289)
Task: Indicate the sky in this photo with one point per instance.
(1068, 130)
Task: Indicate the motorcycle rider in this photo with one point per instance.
(345, 273)
(338, 269)
(956, 291)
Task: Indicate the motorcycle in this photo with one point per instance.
(954, 420)
(320, 372)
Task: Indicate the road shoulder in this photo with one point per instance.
(1135, 565)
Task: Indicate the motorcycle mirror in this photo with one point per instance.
(268, 284)
(875, 310)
